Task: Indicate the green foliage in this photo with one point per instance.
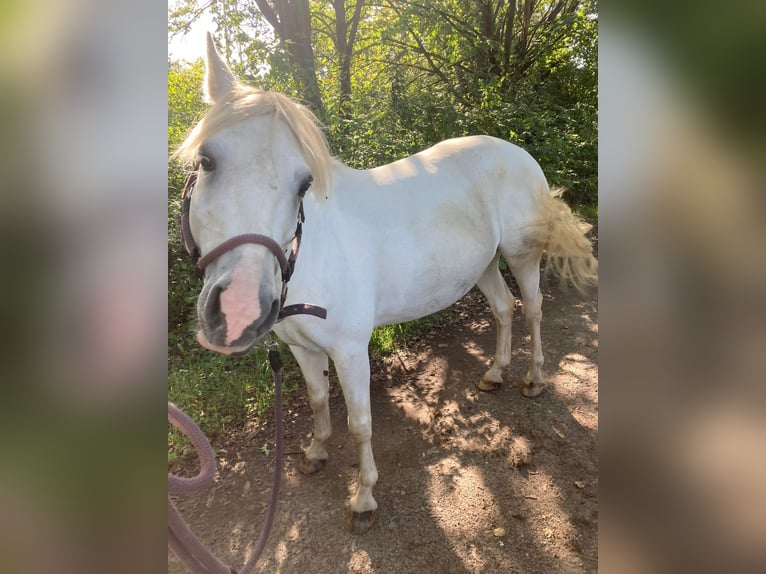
(390, 338)
(185, 108)
(222, 393)
(422, 72)
(587, 212)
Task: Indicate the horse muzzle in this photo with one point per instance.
(235, 312)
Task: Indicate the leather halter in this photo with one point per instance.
(286, 264)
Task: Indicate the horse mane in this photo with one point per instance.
(246, 102)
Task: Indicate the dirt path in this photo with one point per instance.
(469, 481)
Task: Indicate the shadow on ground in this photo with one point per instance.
(469, 481)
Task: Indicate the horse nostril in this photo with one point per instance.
(213, 306)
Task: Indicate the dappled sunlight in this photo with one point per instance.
(474, 349)
(360, 561)
(462, 490)
(572, 359)
(496, 479)
(586, 417)
(467, 478)
(551, 528)
(280, 554)
(238, 504)
(281, 551)
(292, 480)
(480, 326)
(417, 401)
(583, 369)
(576, 385)
(486, 433)
(417, 411)
(590, 321)
(469, 396)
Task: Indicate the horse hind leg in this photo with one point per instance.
(314, 366)
(500, 299)
(527, 274)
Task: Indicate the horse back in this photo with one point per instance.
(422, 230)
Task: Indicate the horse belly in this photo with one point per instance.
(432, 240)
(411, 288)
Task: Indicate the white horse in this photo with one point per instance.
(380, 246)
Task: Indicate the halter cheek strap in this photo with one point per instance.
(287, 265)
(186, 234)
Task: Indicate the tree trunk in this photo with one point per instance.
(345, 37)
(510, 18)
(291, 20)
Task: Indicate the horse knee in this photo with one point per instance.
(318, 398)
(361, 430)
(503, 310)
(534, 314)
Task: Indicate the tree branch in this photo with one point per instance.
(271, 16)
(464, 28)
(193, 15)
(355, 24)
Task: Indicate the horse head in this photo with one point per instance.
(255, 155)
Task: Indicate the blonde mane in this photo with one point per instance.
(246, 102)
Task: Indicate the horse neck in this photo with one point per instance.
(326, 216)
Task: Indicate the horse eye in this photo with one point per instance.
(305, 186)
(206, 163)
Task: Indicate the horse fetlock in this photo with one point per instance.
(309, 466)
(316, 449)
(489, 386)
(492, 380)
(314, 459)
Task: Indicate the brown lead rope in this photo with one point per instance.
(197, 557)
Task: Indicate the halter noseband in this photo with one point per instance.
(286, 264)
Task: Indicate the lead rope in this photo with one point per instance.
(197, 557)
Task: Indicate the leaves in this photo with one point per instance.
(397, 76)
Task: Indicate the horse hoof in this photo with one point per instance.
(307, 466)
(489, 386)
(532, 390)
(360, 522)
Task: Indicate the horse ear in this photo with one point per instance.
(219, 79)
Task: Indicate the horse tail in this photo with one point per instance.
(569, 252)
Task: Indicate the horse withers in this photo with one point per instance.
(379, 246)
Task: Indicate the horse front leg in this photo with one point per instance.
(314, 366)
(353, 369)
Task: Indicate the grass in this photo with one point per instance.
(587, 212)
(390, 338)
(222, 393)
